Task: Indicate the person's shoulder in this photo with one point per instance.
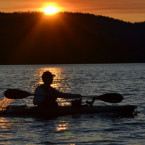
(40, 90)
(40, 87)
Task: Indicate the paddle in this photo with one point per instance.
(20, 94)
(16, 94)
(109, 97)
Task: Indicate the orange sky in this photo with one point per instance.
(128, 10)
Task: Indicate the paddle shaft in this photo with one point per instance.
(20, 94)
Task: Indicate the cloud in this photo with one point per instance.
(119, 5)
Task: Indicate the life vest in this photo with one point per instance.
(45, 97)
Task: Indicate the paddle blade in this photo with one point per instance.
(111, 98)
(16, 94)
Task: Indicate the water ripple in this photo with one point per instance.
(86, 79)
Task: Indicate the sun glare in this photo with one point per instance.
(50, 10)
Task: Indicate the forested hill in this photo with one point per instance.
(34, 38)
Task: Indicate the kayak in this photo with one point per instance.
(23, 110)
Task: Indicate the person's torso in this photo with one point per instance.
(45, 95)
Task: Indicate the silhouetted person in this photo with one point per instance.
(45, 95)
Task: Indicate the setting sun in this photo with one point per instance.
(50, 10)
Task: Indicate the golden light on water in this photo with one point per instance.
(4, 103)
(63, 102)
(5, 128)
(5, 124)
(58, 72)
(62, 126)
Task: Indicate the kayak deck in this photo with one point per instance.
(122, 111)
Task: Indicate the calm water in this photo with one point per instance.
(92, 79)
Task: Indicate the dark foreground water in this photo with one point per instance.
(89, 79)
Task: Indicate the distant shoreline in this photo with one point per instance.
(69, 38)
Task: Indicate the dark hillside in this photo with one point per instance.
(33, 38)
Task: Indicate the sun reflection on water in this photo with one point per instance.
(54, 70)
(62, 126)
(63, 102)
(4, 103)
(6, 126)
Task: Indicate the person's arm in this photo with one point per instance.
(66, 95)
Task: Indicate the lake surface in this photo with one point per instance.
(85, 79)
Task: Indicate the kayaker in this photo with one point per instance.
(45, 95)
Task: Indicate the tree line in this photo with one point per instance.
(34, 38)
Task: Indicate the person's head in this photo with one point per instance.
(47, 77)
